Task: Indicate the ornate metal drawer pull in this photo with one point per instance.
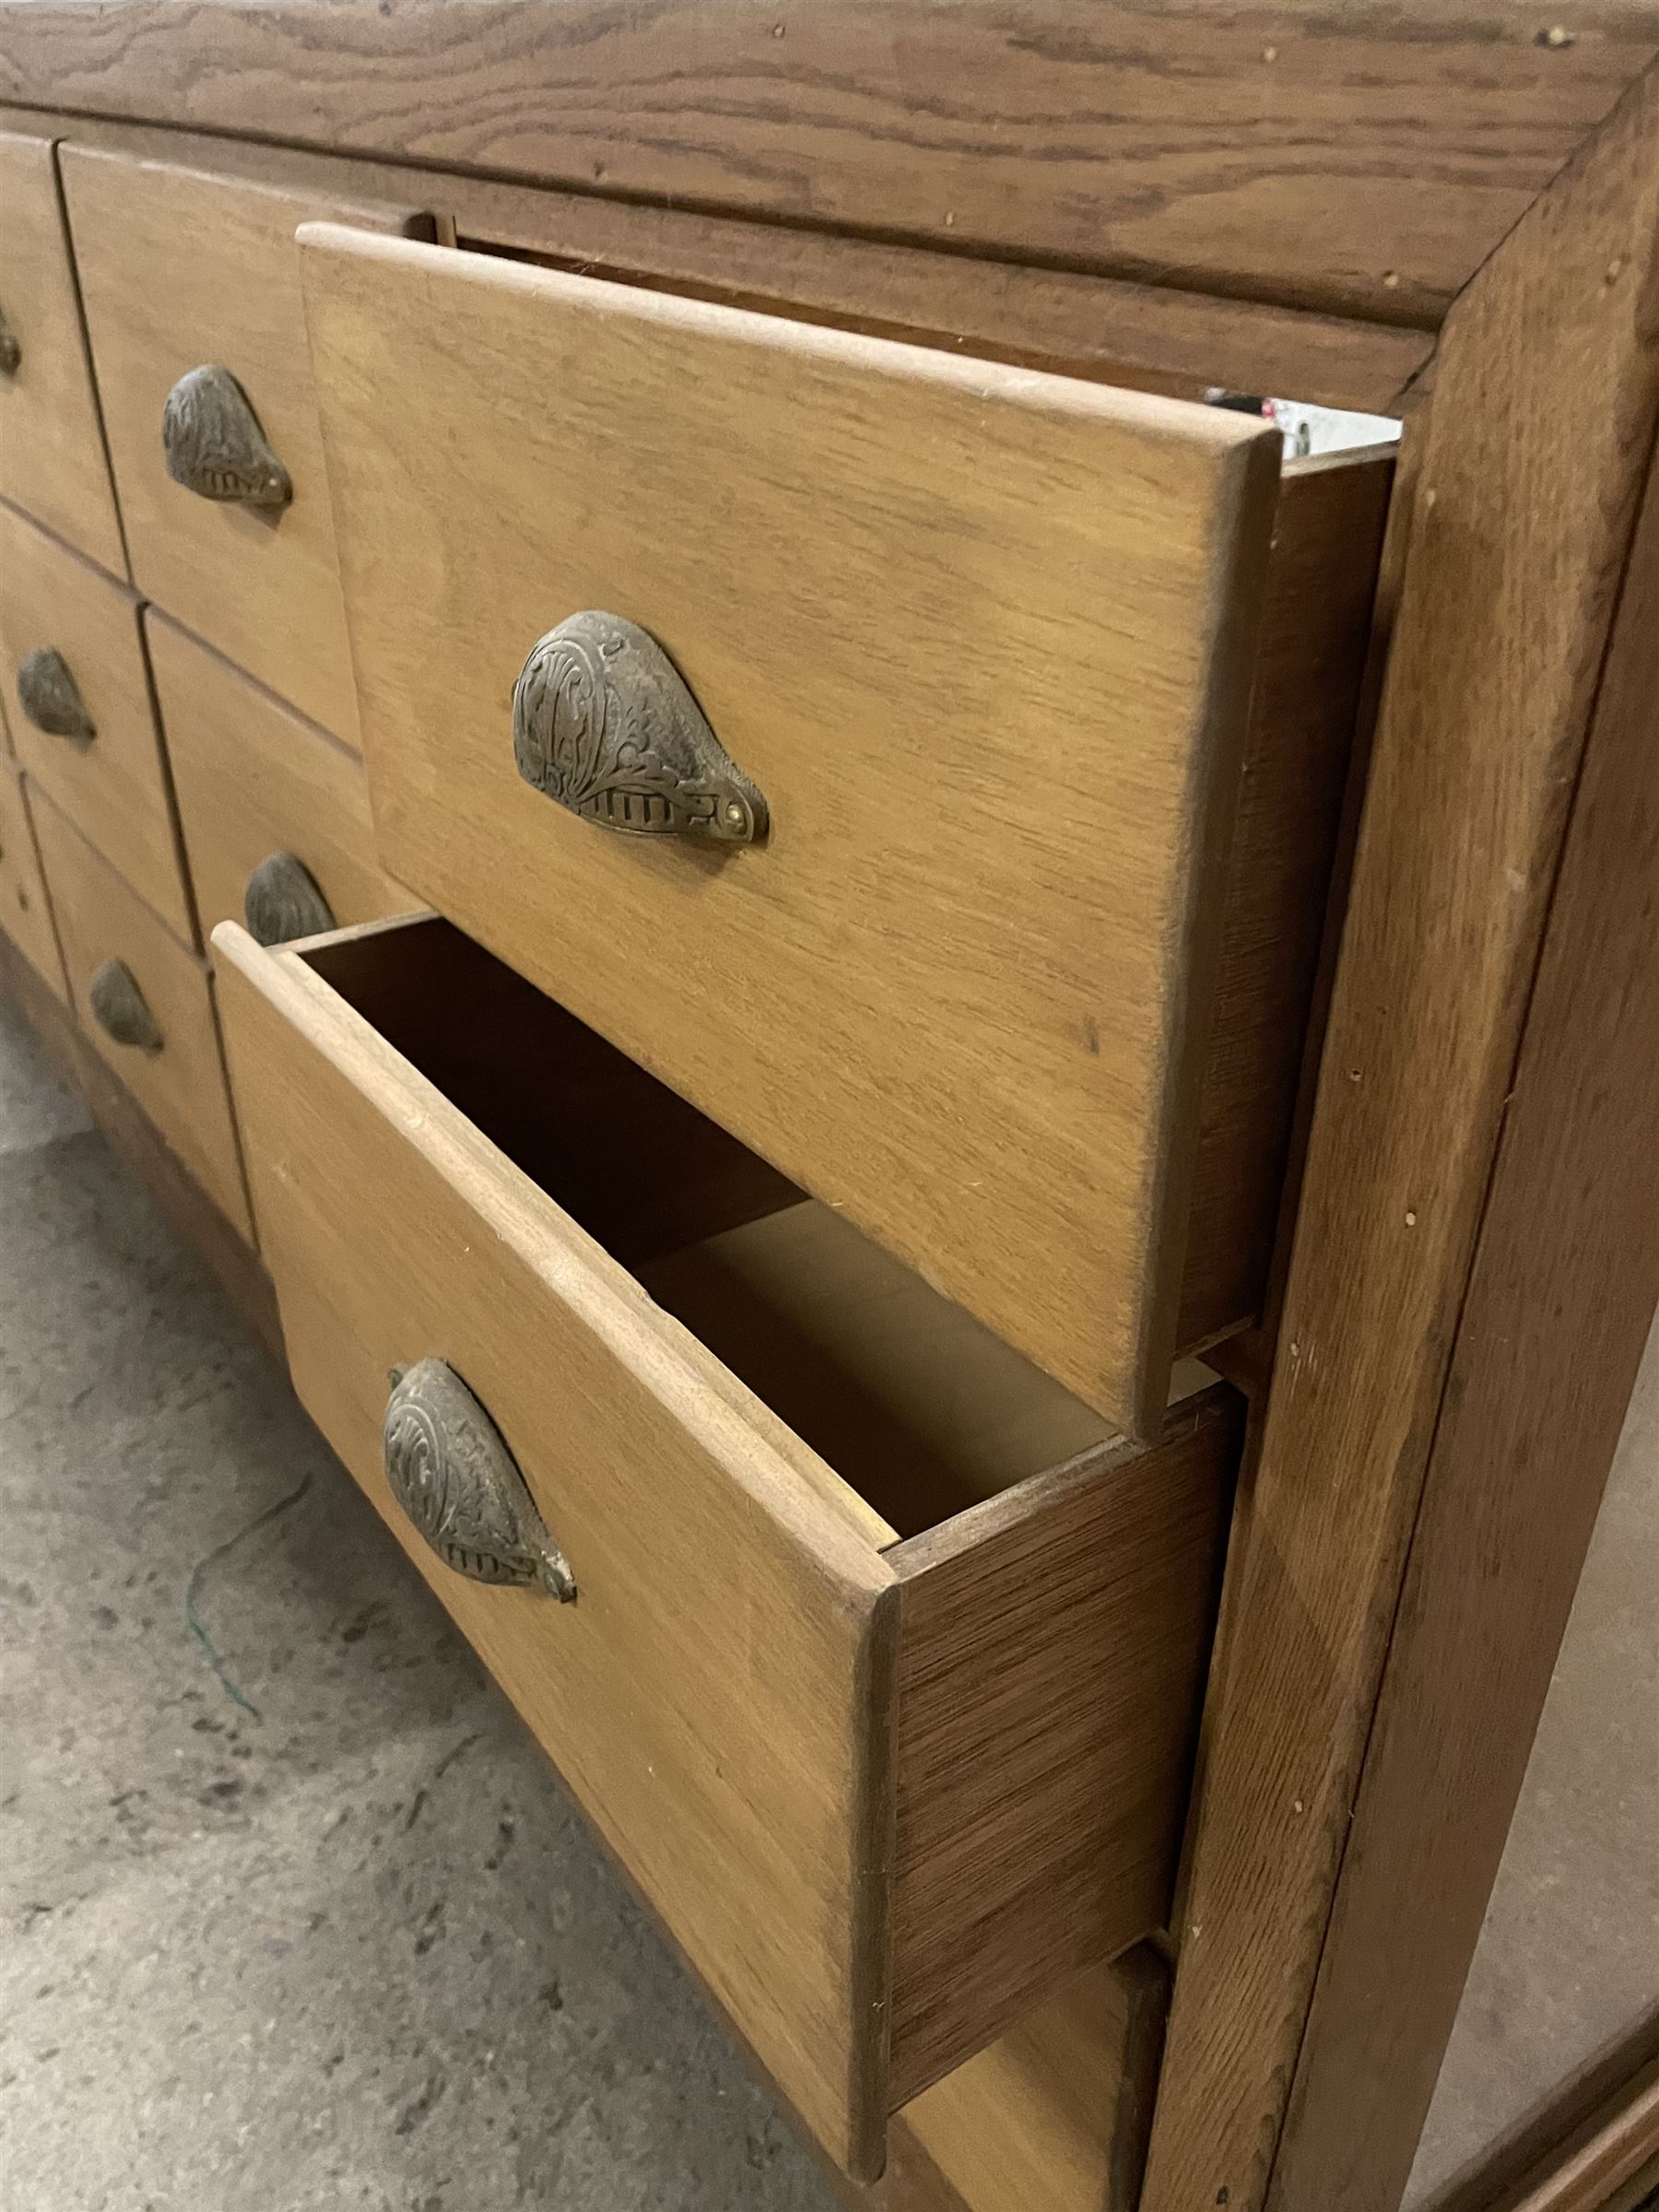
(283, 901)
(459, 1486)
(50, 696)
(603, 722)
(11, 353)
(122, 1010)
(214, 444)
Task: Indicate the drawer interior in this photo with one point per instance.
(918, 1406)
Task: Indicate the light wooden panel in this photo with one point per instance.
(25, 908)
(1053, 1656)
(182, 1088)
(178, 268)
(51, 449)
(1314, 152)
(719, 1695)
(906, 1395)
(114, 787)
(254, 779)
(1053, 2116)
(1497, 650)
(982, 638)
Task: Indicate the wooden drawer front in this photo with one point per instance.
(983, 639)
(25, 911)
(179, 271)
(113, 785)
(815, 1711)
(51, 449)
(255, 784)
(181, 1085)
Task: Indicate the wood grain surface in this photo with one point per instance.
(1315, 152)
(181, 1088)
(115, 786)
(961, 992)
(718, 1696)
(1053, 2114)
(742, 1758)
(1565, 1282)
(1052, 1657)
(1518, 545)
(1311, 663)
(909, 1397)
(51, 447)
(1075, 321)
(178, 268)
(24, 909)
(252, 779)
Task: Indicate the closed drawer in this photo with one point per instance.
(78, 703)
(24, 912)
(884, 1658)
(980, 646)
(52, 450)
(181, 272)
(147, 1005)
(274, 814)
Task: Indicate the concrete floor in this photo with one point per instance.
(1569, 1958)
(357, 1949)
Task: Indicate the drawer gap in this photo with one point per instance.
(917, 1405)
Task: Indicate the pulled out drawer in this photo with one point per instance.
(976, 736)
(880, 1655)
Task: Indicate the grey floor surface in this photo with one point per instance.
(1568, 1962)
(357, 1949)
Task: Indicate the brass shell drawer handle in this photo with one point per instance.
(283, 901)
(215, 446)
(120, 1009)
(455, 1477)
(11, 353)
(48, 695)
(604, 723)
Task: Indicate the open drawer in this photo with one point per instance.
(979, 735)
(884, 1657)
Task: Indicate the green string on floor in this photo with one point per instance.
(199, 1574)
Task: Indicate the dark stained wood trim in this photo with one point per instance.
(1346, 156)
(1154, 336)
(1563, 1291)
(1521, 532)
